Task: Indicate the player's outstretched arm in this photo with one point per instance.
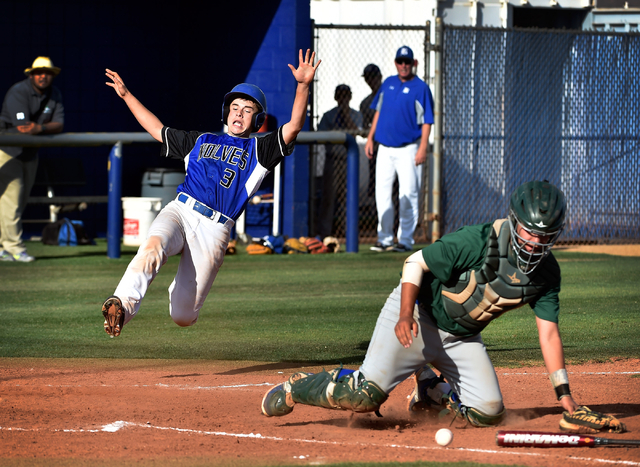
(412, 273)
(147, 120)
(553, 354)
(304, 76)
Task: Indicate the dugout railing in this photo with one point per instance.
(117, 140)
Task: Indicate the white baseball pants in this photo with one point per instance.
(400, 162)
(463, 361)
(202, 242)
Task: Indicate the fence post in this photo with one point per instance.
(353, 209)
(436, 165)
(114, 208)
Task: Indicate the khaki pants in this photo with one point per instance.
(16, 180)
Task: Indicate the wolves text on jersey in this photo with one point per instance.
(230, 154)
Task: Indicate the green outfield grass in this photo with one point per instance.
(318, 309)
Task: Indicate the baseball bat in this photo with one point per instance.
(541, 439)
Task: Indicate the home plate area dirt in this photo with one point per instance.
(155, 410)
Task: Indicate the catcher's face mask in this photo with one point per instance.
(536, 219)
(530, 247)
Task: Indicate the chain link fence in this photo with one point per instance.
(517, 105)
(532, 104)
(340, 84)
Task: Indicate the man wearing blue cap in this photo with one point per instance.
(401, 126)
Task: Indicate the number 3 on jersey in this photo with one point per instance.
(228, 177)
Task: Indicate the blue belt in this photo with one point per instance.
(203, 209)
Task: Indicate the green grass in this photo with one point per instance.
(318, 309)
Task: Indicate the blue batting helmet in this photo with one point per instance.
(251, 92)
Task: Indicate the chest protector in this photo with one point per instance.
(481, 296)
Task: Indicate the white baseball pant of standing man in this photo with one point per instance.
(400, 162)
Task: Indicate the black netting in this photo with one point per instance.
(346, 51)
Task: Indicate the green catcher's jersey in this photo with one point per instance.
(471, 281)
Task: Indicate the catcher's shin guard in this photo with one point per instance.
(337, 389)
(277, 401)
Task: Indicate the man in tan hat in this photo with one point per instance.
(34, 107)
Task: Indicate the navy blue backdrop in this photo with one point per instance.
(179, 62)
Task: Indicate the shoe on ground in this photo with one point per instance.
(23, 257)
(380, 247)
(6, 256)
(113, 316)
(277, 401)
(419, 400)
(400, 248)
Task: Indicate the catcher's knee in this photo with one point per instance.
(337, 389)
(475, 416)
(478, 418)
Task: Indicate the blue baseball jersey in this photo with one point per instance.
(224, 171)
(404, 108)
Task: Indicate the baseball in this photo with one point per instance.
(444, 437)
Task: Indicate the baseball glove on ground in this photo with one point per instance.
(585, 420)
(314, 245)
(259, 248)
(293, 246)
(231, 248)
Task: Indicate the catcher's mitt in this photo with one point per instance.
(585, 420)
(314, 245)
(113, 316)
(293, 246)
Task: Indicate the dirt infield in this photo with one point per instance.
(618, 250)
(159, 411)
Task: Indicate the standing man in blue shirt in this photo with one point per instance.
(401, 126)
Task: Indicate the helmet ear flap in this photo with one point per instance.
(258, 120)
(247, 91)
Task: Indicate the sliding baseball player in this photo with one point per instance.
(222, 174)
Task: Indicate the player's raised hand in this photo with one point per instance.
(116, 83)
(306, 69)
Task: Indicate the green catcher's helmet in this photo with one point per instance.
(539, 208)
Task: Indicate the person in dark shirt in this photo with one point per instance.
(32, 107)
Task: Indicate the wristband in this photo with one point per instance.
(562, 391)
(560, 382)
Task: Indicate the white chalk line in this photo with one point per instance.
(161, 385)
(574, 373)
(120, 424)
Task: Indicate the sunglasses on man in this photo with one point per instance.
(404, 61)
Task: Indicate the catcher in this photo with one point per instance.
(449, 292)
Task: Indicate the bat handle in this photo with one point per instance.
(619, 442)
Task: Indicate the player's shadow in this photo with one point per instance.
(351, 362)
(619, 410)
(361, 421)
